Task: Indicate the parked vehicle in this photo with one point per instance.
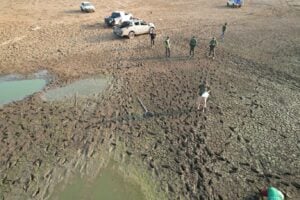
(87, 7)
(133, 27)
(235, 3)
(117, 17)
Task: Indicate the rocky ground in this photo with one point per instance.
(248, 138)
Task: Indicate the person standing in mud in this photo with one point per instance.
(193, 44)
(167, 46)
(212, 45)
(203, 96)
(152, 37)
(224, 27)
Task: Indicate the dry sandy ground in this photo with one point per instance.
(248, 138)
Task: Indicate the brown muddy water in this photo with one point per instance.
(110, 184)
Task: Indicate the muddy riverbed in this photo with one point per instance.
(248, 137)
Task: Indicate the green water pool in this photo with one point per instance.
(15, 90)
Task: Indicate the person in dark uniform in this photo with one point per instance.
(224, 27)
(193, 44)
(212, 45)
(152, 37)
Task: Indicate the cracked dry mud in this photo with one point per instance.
(248, 138)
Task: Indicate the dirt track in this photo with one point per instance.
(248, 138)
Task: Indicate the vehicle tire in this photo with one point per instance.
(131, 35)
(81, 9)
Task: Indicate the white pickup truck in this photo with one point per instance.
(133, 27)
(235, 3)
(87, 7)
(117, 17)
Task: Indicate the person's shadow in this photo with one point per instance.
(252, 197)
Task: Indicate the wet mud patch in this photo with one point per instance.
(81, 88)
(111, 183)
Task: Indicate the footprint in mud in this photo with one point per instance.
(208, 151)
(48, 174)
(151, 164)
(129, 153)
(144, 156)
(36, 192)
(170, 188)
(37, 162)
